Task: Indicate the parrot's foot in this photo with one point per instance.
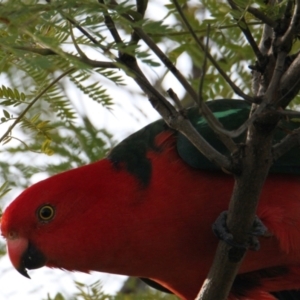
(221, 231)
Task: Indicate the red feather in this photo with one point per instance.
(106, 220)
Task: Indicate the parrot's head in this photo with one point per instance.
(30, 213)
(54, 220)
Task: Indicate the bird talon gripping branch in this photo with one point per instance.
(220, 229)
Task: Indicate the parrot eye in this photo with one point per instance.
(46, 213)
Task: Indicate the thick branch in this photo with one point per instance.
(256, 161)
(243, 203)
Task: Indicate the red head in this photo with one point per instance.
(70, 213)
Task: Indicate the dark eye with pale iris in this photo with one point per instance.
(46, 213)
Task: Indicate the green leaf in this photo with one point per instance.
(6, 114)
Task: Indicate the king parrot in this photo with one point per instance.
(147, 210)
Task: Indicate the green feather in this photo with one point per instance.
(132, 152)
(232, 114)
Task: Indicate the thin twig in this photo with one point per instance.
(24, 144)
(235, 88)
(213, 122)
(86, 60)
(179, 122)
(173, 118)
(175, 98)
(290, 83)
(80, 52)
(288, 11)
(287, 143)
(285, 42)
(261, 16)
(83, 31)
(198, 31)
(248, 35)
(167, 62)
(259, 86)
(88, 35)
(204, 66)
(111, 25)
(237, 132)
(19, 118)
(141, 6)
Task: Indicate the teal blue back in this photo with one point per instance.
(232, 114)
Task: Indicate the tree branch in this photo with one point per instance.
(86, 60)
(285, 42)
(261, 16)
(141, 6)
(235, 88)
(271, 95)
(287, 143)
(290, 83)
(259, 85)
(256, 161)
(248, 35)
(213, 122)
(173, 118)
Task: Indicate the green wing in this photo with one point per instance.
(232, 114)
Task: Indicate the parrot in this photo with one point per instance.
(147, 209)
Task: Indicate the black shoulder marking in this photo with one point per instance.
(132, 152)
(156, 285)
(287, 295)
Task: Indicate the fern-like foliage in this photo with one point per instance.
(94, 291)
(94, 90)
(78, 145)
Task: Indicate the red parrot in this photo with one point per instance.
(147, 210)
